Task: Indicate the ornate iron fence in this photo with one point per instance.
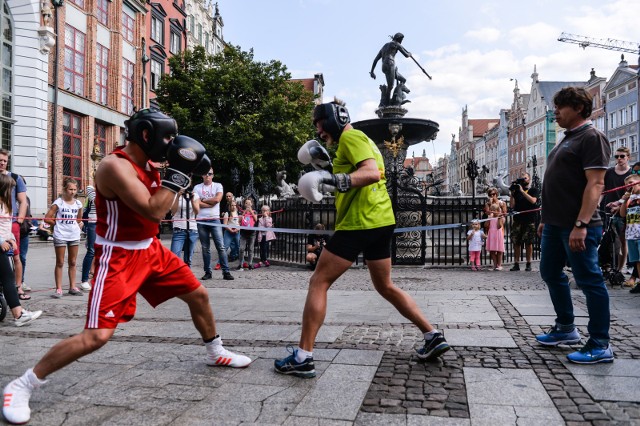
(446, 246)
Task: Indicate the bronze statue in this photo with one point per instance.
(389, 68)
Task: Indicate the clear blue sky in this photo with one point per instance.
(471, 48)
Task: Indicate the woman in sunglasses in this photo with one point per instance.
(492, 198)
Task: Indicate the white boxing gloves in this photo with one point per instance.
(312, 152)
(311, 185)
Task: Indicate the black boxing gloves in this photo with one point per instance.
(184, 155)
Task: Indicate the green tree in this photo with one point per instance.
(241, 110)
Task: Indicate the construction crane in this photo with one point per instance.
(602, 43)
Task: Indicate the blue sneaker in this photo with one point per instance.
(433, 348)
(591, 353)
(305, 369)
(554, 337)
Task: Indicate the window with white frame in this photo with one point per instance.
(613, 120)
(156, 30)
(633, 112)
(633, 143)
(175, 44)
(623, 116)
(156, 74)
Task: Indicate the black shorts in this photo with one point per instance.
(374, 243)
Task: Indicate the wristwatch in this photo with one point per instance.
(580, 224)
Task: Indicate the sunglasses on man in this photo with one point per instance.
(620, 156)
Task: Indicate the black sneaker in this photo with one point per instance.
(528, 268)
(227, 276)
(305, 369)
(433, 348)
(515, 267)
(635, 289)
(206, 276)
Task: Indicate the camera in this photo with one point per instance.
(514, 185)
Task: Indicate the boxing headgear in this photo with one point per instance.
(161, 130)
(335, 117)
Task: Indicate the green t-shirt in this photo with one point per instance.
(368, 207)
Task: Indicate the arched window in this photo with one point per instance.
(6, 88)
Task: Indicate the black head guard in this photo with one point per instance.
(335, 117)
(162, 129)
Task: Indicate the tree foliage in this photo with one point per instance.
(241, 110)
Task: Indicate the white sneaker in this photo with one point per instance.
(85, 286)
(16, 397)
(27, 317)
(218, 356)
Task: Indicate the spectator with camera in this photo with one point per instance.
(610, 202)
(522, 198)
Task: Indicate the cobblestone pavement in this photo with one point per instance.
(152, 371)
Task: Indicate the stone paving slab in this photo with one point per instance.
(539, 304)
(488, 387)
(375, 419)
(481, 338)
(338, 393)
(616, 381)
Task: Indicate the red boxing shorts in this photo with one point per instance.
(156, 273)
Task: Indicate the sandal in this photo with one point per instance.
(76, 292)
(629, 283)
(23, 296)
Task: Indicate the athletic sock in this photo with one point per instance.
(301, 355)
(430, 334)
(214, 347)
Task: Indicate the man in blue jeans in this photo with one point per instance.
(571, 227)
(210, 194)
(90, 229)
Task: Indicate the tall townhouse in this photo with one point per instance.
(540, 124)
(440, 173)
(453, 168)
(621, 108)
(27, 29)
(491, 152)
(95, 83)
(516, 134)
(165, 37)
(204, 26)
(503, 144)
(471, 131)
(595, 86)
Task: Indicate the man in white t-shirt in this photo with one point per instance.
(210, 194)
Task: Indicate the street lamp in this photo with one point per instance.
(472, 173)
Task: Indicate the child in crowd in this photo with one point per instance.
(630, 210)
(475, 236)
(232, 235)
(65, 215)
(315, 244)
(247, 237)
(495, 235)
(265, 237)
(8, 244)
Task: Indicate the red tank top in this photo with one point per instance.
(116, 221)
